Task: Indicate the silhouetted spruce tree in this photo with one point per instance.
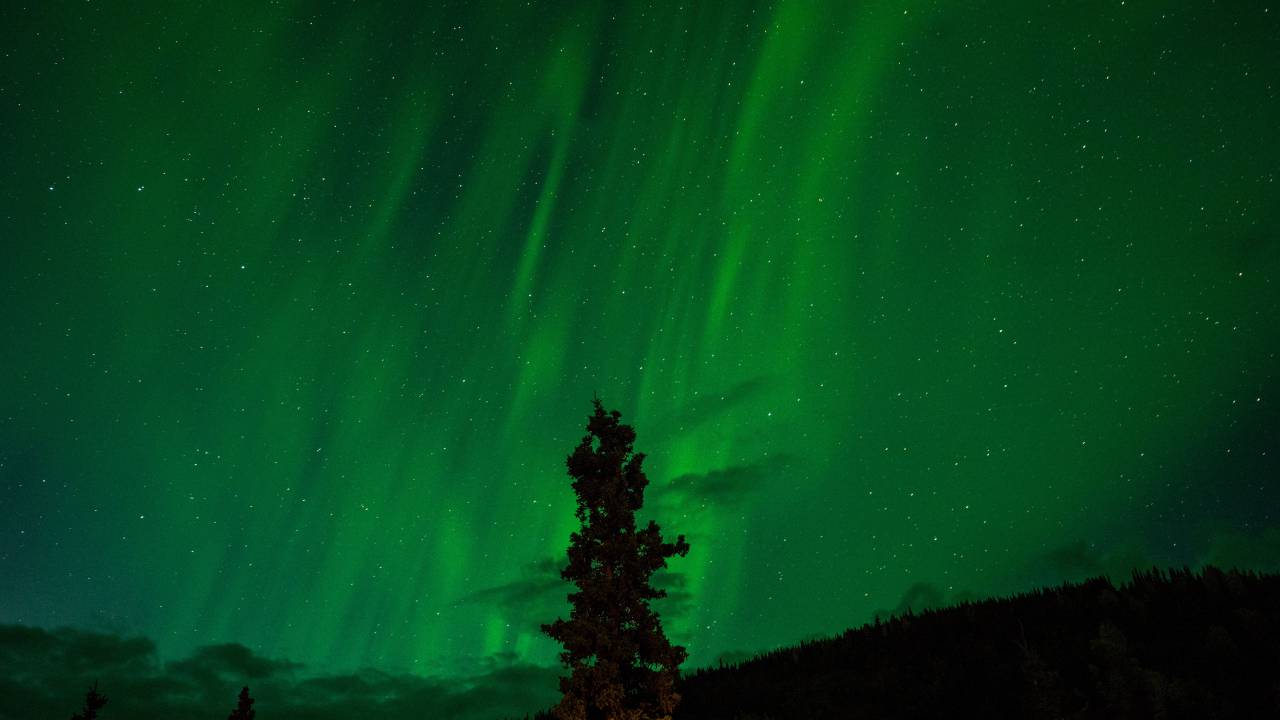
(244, 708)
(93, 702)
(622, 667)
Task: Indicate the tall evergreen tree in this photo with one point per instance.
(244, 708)
(93, 702)
(622, 667)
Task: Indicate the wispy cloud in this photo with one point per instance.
(539, 595)
(724, 487)
(708, 407)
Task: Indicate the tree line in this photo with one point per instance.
(1165, 644)
(95, 701)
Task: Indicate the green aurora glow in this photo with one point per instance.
(305, 306)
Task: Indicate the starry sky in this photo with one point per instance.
(304, 305)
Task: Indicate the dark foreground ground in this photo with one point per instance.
(1163, 645)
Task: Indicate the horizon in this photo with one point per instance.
(148, 685)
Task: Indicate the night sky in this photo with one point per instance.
(304, 305)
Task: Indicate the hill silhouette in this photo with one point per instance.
(1175, 644)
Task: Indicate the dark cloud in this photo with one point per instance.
(1079, 560)
(230, 660)
(708, 406)
(540, 595)
(538, 580)
(919, 597)
(923, 596)
(1257, 551)
(679, 600)
(734, 657)
(44, 673)
(27, 653)
(725, 487)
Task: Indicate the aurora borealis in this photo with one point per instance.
(305, 304)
